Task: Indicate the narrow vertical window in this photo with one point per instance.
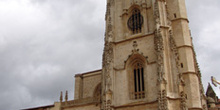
(139, 89)
(135, 22)
(135, 84)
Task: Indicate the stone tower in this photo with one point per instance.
(149, 61)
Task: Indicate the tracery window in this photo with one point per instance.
(135, 22)
(138, 75)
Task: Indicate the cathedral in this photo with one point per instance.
(149, 62)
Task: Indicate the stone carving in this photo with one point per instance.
(168, 16)
(108, 49)
(162, 100)
(107, 65)
(108, 105)
(143, 4)
(198, 71)
(161, 19)
(107, 10)
(158, 42)
(175, 53)
(135, 50)
(157, 15)
(107, 59)
(183, 101)
(204, 107)
(159, 48)
(173, 48)
(109, 102)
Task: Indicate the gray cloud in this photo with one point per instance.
(43, 43)
(204, 25)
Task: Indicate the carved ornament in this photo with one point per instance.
(159, 48)
(183, 101)
(162, 100)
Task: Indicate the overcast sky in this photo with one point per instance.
(43, 43)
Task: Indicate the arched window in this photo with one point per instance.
(135, 22)
(97, 93)
(136, 71)
(138, 81)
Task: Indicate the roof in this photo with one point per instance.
(210, 92)
(35, 108)
(90, 72)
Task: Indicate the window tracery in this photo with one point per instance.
(135, 22)
(138, 75)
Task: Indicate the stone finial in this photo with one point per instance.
(135, 45)
(66, 96)
(61, 96)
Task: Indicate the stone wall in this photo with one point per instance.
(86, 83)
(84, 107)
(141, 106)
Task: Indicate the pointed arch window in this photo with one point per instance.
(138, 81)
(97, 93)
(135, 22)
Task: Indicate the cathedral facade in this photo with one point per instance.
(149, 62)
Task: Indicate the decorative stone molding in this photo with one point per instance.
(169, 23)
(183, 105)
(175, 53)
(136, 51)
(198, 70)
(157, 15)
(204, 107)
(174, 48)
(159, 48)
(107, 60)
(144, 5)
(162, 100)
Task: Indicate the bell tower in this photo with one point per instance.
(149, 60)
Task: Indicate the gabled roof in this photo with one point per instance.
(210, 92)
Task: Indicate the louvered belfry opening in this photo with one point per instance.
(135, 22)
(139, 89)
